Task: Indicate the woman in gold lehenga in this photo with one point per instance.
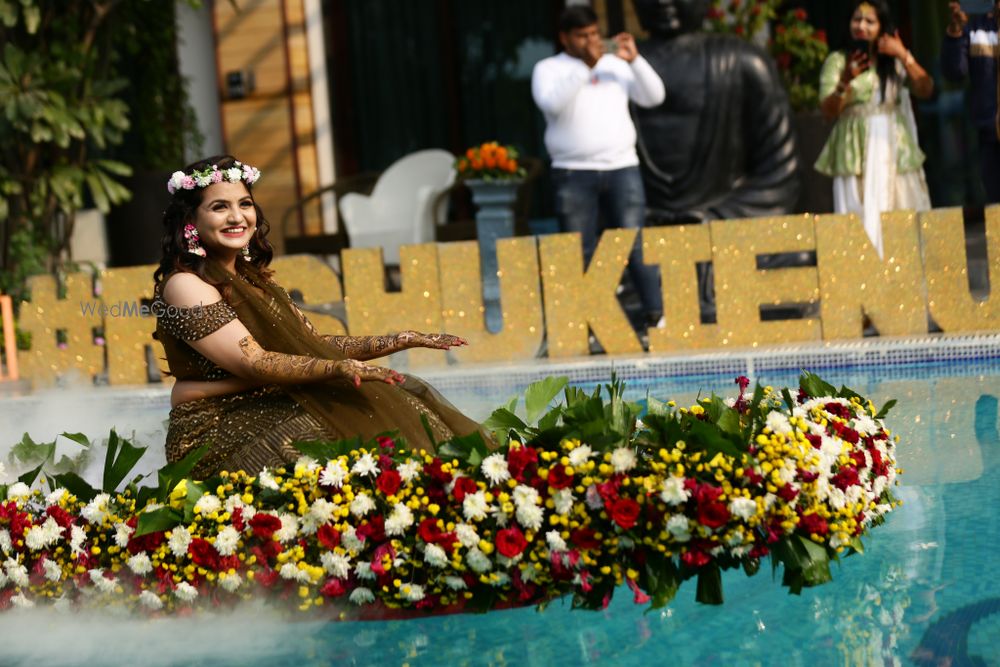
(252, 374)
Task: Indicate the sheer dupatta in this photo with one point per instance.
(344, 410)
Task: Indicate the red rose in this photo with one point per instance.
(333, 588)
(238, 522)
(713, 514)
(385, 442)
(814, 523)
(510, 541)
(266, 577)
(463, 486)
(388, 482)
(429, 530)
(624, 512)
(374, 529)
(522, 462)
(787, 492)
(435, 470)
(265, 525)
(559, 478)
(65, 519)
(204, 554)
(846, 478)
(800, 14)
(328, 536)
(695, 558)
(584, 538)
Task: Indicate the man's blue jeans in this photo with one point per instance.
(586, 197)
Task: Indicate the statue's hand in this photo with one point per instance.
(627, 49)
(436, 341)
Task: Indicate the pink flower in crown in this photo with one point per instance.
(188, 183)
(216, 175)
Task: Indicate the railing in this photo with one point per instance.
(8, 371)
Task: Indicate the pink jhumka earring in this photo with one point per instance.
(193, 241)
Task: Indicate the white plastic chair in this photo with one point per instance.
(399, 209)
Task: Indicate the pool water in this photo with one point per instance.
(926, 592)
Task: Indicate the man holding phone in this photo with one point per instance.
(970, 49)
(584, 94)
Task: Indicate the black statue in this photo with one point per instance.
(721, 146)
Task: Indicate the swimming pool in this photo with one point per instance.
(927, 589)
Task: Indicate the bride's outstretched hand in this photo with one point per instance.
(356, 371)
(436, 341)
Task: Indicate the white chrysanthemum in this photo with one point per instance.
(21, 601)
(365, 465)
(18, 491)
(177, 179)
(203, 180)
(334, 474)
(77, 536)
(44, 535)
(140, 564)
(623, 459)
(123, 532)
(230, 581)
(467, 535)
(227, 541)
(362, 504)
(778, 423)
(54, 497)
(563, 499)
(350, 541)
(233, 174)
(266, 480)
(292, 572)
(97, 509)
(363, 570)
(320, 512)
(361, 595)
(399, 520)
(412, 592)
(180, 540)
(3, 578)
(580, 455)
(17, 573)
(673, 492)
(51, 570)
(500, 579)
(408, 471)
(305, 464)
(678, 526)
(289, 528)
(475, 507)
(530, 516)
(102, 583)
(495, 469)
(208, 504)
(339, 565)
(185, 592)
(593, 498)
(150, 600)
(524, 495)
(744, 508)
(555, 541)
(6, 546)
(477, 560)
(456, 583)
(435, 555)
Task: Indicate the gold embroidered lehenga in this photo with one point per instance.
(254, 429)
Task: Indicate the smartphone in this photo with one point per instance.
(610, 45)
(859, 45)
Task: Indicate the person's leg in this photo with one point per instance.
(624, 206)
(989, 164)
(576, 205)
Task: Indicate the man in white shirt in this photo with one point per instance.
(584, 94)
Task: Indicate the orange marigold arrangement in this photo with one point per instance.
(490, 161)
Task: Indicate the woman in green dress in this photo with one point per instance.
(252, 375)
(872, 152)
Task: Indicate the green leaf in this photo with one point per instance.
(709, 585)
(815, 386)
(119, 462)
(158, 520)
(427, 429)
(195, 490)
(502, 422)
(169, 475)
(78, 438)
(885, 409)
(469, 448)
(30, 476)
(326, 450)
(551, 418)
(788, 398)
(76, 485)
(539, 394)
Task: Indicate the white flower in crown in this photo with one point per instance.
(203, 180)
(234, 174)
(176, 182)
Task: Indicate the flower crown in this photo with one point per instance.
(211, 175)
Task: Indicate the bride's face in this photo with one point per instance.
(226, 218)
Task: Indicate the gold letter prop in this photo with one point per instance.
(853, 281)
(77, 316)
(575, 299)
(373, 311)
(951, 303)
(520, 299)
(128, 332)
(318, 283)
(676, 250)
(740, 288)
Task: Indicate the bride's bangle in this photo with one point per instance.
(909, 59)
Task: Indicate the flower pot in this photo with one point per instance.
(494, 220)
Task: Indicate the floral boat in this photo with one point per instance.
(575, 500)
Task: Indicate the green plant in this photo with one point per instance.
(797, 47)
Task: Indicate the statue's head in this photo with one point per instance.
(668, 18)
